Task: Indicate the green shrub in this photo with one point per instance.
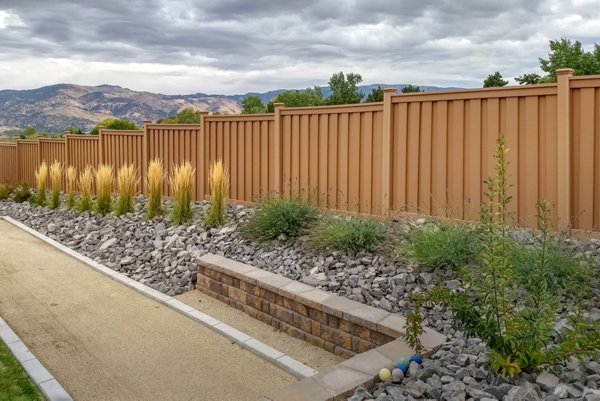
(350, 235)
(278, 217)
(516, 320)
(22, 193)
(5, 191)
(562, 264)
(436, 246)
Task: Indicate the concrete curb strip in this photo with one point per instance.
(285, 362)
(43, 379)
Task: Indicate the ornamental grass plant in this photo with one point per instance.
(104, 186)
(181, 181)
(218, 183)
(41, 178)
(71, 176)
(56, 172)
(127, 180)
(86, 183)
(154, 184)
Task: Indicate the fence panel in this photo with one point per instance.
(245, 144)
(8, 164)
(52, 150)
(443, 146)
(175, 144)
(83, 151)
(585, 151)
(27, 160)
(120, 148)
(332, 156)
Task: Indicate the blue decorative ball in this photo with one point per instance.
(416, 358)
(403, 363)
(404, 369)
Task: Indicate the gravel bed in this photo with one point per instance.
(162, 256)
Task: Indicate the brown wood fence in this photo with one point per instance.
(425, 153)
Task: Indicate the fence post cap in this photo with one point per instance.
(203, 112)
(389, 90)
(278, 105)
(565, 71)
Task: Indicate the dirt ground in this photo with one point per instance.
(104, 341)
(315, 357)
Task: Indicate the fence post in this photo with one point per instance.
(67, 161)
(201, 167)
(144, 172)
(565, 188)
(277, 134)
(386, 152)
(100, 145)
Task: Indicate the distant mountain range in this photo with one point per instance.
(55, 108)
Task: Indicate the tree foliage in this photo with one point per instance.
(376, 95)
(188, 115)
(344, 88)
(411, 89)
(567, 54)
(494, 80)
(253, 105)
(529, 79)
(111, 123)
(298, 98)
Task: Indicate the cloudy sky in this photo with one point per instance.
(237, 46)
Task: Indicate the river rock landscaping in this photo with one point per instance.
(161, 255)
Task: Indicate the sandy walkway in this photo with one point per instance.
(104, 341)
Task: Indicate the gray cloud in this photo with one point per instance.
(238, 46)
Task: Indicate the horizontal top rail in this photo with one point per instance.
(241, 117)
(83, 137)
(122, 132)
(478, 93)
(346, 108)
(7, 144)
(177, 126)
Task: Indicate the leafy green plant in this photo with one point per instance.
(126, 182)
(154, 186)
(350, 234)
(55, 183)
(5, 191)
(439, 246)
(218, 183)
(21, 193)
(181, 185)
(41, 176)
(277, 217)
(516, 319)
(104, 183)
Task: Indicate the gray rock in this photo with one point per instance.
(525, 392)
(416, 389)
(360, 394)
(547, 381)
(107, 244)
(51, 227)
(561, 390)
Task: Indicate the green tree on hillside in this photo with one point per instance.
(188, 115)
(111, 123)
(252, 105)
(376, 95)
(494, 80)
(411, 89)
(344, 88)
(298, 98)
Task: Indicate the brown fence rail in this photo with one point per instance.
(425, 153)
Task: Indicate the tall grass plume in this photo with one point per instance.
(181, 186)
(127, 180)
(41, 177)
(86, 182)
(218, 183)
(71, 186)
(56, 171)
(154, 184)
(104, 183)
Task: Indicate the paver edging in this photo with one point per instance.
(36, 371)
(264, 351)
